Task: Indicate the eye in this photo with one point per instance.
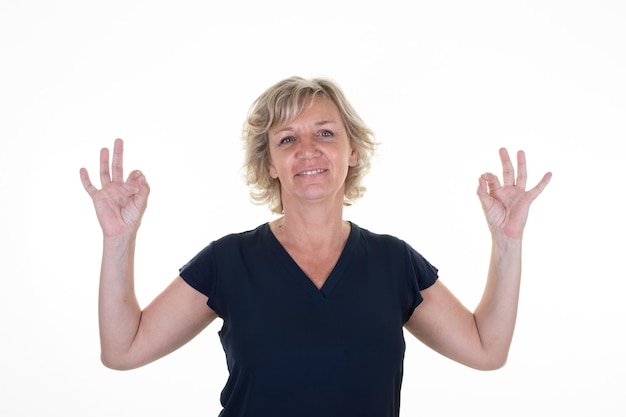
(287, 140)
(326, 134)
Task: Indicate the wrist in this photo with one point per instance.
(504, 242)
(121, 241)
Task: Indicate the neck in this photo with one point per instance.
(313, 229)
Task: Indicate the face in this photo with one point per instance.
(311, 155)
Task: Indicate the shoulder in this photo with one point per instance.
(392, 248)
(242, 239)
(379, 241)
(230, 245)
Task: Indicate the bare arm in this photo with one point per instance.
(130, 337)
(482, 339)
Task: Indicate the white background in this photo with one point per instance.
(443, 84)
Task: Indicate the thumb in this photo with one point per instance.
(137, 184)
(142, 182)
(483, 191)
(143, 189)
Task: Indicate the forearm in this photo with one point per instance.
(496, 313)
(119, 311)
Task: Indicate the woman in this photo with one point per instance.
(313, 306)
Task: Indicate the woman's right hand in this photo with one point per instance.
(119, 204)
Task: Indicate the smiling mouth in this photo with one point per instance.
(310, 172)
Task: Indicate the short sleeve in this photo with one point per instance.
(421, 275)
(199, 272)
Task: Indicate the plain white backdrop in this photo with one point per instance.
(443, 84)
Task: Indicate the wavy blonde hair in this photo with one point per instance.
(281, 104)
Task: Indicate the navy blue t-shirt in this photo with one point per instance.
(295, 350)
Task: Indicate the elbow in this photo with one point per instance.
(493, 366)
(491, 363)
(111, 363)
(115, 362)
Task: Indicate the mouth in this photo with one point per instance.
(311, 172)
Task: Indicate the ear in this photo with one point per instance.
(354, 157)
(272, 172)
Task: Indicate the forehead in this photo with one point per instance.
(312, 110)
(320, 104)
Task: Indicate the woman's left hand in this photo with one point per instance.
(506, 205)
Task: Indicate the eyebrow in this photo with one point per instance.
(290, 128)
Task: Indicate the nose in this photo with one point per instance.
(308, 148)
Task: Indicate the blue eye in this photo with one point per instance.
(326, 133)
(286, 140)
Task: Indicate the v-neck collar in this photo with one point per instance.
(293, 269)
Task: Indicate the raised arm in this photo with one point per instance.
(482, 339)
(130, 337)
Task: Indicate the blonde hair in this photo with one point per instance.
(281, 104)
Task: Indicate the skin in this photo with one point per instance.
(129, 336)
(310, 156)
(482, 339)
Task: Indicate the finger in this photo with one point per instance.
(492, 182)
(534, 193)
(488, 184)
(143, 189)
(483, 192)
(118, 161)
(105, 176)
(138, 180)
(87, 185)
(521, 170)
(138, 188)
(508, 172)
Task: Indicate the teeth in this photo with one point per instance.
(313, 172)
